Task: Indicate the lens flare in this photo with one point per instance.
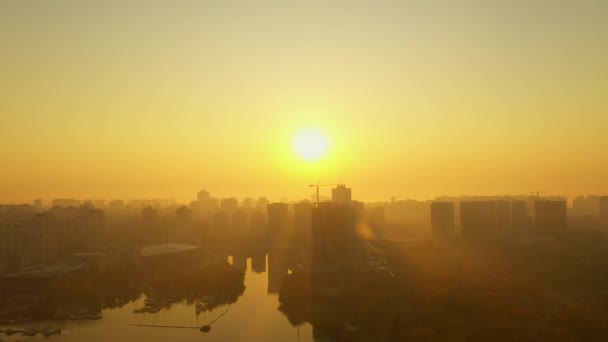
(365, 232)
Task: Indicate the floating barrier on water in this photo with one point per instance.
(48, 331)
(205, 328)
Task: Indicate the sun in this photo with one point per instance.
(311, 144)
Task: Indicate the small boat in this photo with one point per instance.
(50, 331)
(30, 332)
(155, 309)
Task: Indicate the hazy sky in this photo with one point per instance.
(130, 99)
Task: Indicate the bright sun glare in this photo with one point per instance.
(311, 144)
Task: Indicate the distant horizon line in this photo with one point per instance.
(128, 200)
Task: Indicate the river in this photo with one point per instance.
(254, 317)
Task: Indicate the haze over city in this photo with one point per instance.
(316, 171)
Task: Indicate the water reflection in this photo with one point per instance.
(342, 306)
(277, 269)
(226, 294)
(258, 262)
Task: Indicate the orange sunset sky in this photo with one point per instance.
(159, 99)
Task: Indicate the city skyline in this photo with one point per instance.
(320, 171)
(311, 198)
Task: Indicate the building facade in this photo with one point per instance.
(334, 239)
(442, 219)
(550, 217)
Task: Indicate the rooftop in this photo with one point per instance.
(170, 248)
(47, 270)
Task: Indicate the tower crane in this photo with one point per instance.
(537, 193)
(318, 185)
